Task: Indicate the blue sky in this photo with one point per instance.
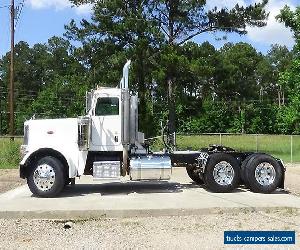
(41, 19)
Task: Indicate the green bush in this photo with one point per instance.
(9, 153)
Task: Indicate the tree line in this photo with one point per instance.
(198, 88)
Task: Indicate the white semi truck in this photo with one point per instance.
(106, 143)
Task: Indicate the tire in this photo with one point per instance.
(222, 173)
(53, 180)
(263, 173)
(244, 179)
(67, 181)
(194, 176)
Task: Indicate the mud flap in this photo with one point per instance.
(22, 171)
(281, 185)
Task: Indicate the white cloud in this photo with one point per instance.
(59, 5)
(275, 32)
(84, 9)
(43, 4)
(210, 4)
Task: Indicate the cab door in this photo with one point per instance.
(106, 124)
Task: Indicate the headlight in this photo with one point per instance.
(26, 134)
(23, 150)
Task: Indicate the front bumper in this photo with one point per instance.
(23, 166)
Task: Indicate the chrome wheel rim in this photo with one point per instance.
(44, 177)
(223, 173)
(265, 174)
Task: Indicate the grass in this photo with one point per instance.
(9, 153)
(276, 145)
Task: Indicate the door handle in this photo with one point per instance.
(116, 138)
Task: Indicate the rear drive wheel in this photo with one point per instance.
(222, 173)
(194, 175)
(46, 178)
(243, 169)
(263, 173)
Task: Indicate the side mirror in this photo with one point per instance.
(88, 101)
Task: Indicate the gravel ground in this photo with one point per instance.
(183, 232)
(180, 232)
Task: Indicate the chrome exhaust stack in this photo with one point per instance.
(124, 84)
(125, 79)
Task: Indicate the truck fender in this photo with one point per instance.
(30, 157)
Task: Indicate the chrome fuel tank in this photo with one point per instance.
(150, 167)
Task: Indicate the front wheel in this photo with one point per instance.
(222, 173)
(46, 178)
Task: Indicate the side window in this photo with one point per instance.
(107, 106)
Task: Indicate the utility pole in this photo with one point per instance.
(11, 83)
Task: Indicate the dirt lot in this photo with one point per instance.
(292, 181)
(9, 179)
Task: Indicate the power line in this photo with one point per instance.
(19, 10)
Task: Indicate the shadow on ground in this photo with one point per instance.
(126, 188)
(115, 188)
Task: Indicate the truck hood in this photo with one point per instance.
(47, 132)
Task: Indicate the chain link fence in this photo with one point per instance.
(285, 147)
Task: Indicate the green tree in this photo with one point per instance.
(119, 30)
(42, 72)
(180, 21)
(236, 76)
(291, 19)
(177, 23)
(279, 59)
(288, 116)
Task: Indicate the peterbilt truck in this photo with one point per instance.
(106, 144)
